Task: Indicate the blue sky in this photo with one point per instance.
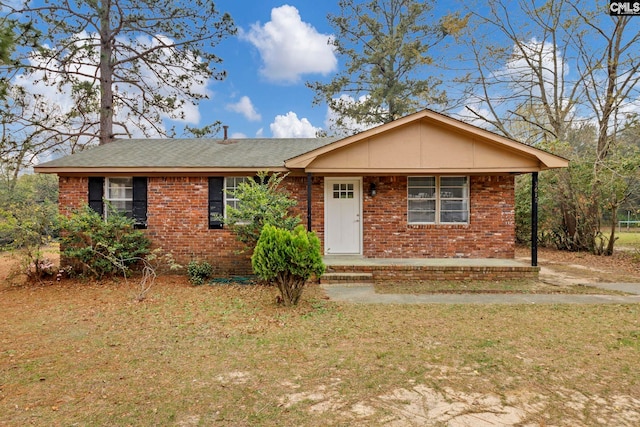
(295, 32)
(280, 46)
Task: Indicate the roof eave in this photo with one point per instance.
(146, 171)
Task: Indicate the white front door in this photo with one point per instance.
(342, 228)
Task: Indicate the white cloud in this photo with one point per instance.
(246, 108)
(260, 133)
(289, 126)
(290, 47)
(546, 58)
(238, 135)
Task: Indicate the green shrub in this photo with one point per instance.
(261, 201)
(288, 258)
(99, 247)
(199, 272)
(27, 228)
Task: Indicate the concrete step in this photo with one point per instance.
(341, 277)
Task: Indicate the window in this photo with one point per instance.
(343, 191)
(221, 195)
(119, 194)
(230, 185)
(438, 200)
(124, 194)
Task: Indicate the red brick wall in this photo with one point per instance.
(178, 220)
(73, 193)
(297, 188)
(177, 217)
(489, 234)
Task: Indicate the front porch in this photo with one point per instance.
(350, 268)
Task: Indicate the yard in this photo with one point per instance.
(83, 353)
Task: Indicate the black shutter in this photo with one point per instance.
(139, 210)
(96, 193)
(216, 201)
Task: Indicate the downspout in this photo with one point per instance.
(534, 219)
(309, 187)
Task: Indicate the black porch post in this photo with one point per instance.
(534, 219)
(309, 187)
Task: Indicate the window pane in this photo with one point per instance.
(438, 199)
(343, 191)
(421, 216)
(230, 186)
(422, 193)
(454, 216)
(422, 211)
(119, 188)
(231, 183)
(453, 205)
(453, 193)
(422, 205)
(422, 181)
(453, 181)
(119, 195)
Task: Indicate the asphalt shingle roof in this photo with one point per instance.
(191, 153)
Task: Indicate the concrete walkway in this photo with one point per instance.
(366, 294)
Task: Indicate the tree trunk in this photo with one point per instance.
(106, 74)
(612, 231)
(290, 287)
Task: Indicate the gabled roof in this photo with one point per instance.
(426, 142)
(421, 143)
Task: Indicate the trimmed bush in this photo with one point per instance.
(98, 247)
(287, 258)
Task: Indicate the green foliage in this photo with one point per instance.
(386, 46)
(261, 202)
(102, 247)
(28, 228)
(288, 258)
(199, 272)
(29, 221)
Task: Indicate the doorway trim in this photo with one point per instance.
(328, 190)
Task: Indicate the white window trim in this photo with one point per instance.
(438, 210)
(110, 200)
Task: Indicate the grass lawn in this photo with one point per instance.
(628, 239)
(486, 286)
(88, 354)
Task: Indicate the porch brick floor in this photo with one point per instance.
(428, 268)
(355, 260)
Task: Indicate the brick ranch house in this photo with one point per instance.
(422, 188)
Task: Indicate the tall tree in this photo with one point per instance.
(127, 63)
(540, 76)
(386, 45)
